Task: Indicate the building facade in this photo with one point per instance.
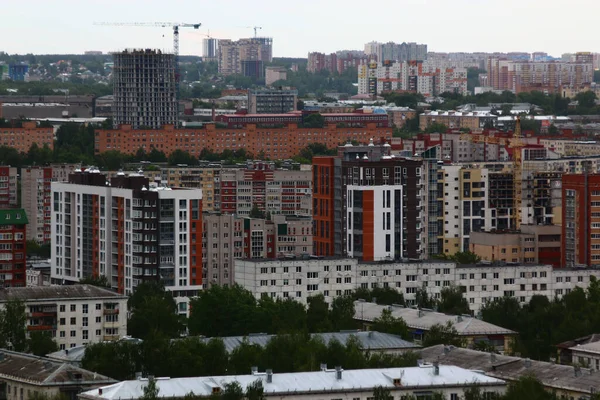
(128, 231)
(13, 247)
(331, 276)
(232, 54)
(75, 315)
(36, 196)
(144, 89)
(272, 141)
(23, 137)
(272, 101)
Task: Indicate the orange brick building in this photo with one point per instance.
(275, 143)
(22, 138)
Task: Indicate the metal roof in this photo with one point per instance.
(369, 340)
(425, 319)
(58, 293)
(587, 348)
(323, 381)
(45, 372)
(13, 217)
(551, 375)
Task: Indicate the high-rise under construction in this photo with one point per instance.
(145, 89)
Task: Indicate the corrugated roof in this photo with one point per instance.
(13, 216)
(512, 368)
(44, 371)
(57, 292)
(369, 340)
(593, 347)
(422, 319)
(302, 382)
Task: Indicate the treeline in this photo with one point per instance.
(544, 323)
(194, 356)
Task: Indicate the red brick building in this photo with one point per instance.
(273, 142)
(21, 138)
(13, 246)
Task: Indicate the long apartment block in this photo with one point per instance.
(303, 277)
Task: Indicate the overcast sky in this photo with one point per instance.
(297, 27)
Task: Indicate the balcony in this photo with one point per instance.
(111, 311)
(110, 338)
(41, 327)
(43, 314)
(111, 324)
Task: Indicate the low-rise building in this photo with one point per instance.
(38, 272)
(23, 137)
(75, 315)
(425, 379)
(28, 377)
(566, 381)
(302, 277)
(458, 120)
(420, 321)
(13, 247)
(565, 349)
(587, 355)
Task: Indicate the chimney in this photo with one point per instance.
(493, 357)
(100, 391)
(527, 363)
(323, 367)
(374, 300)
(138, 375)
(269, 376)
(338, 373)
(253, 370)
(436, 368)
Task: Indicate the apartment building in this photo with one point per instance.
(451, 382)
(227, 237)
(581, 220)
(24, 136)
(458, 120)
(8, 187)
(272, 101)
(539, 244)
(414, 76)
(371, 166)
(273, 191)
(391, 51)
(205, 177)
(331, 276)
(546, 76)
(36, 196)
(273, 141)
(127, 230)
(321, 61)
(274, 74)
(232, 54)
(75, 315)
(13, 247)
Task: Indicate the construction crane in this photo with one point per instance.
(516, 143)
(174, 25)
(255, 29)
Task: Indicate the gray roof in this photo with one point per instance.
(72, 355)
(425, 319)
(286, 384)
(369, 340)
(46, 372)
(551, 375)
(593, 348)
(58, 293)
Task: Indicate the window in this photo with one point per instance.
(347, 279)
(85, 334)
(73, 333)
(298, 269)
(326, 268)
(85, 321)
(62, 308)
(62, 334)
(483, 275)
(62, 321)
(312, 275)
(98, 320)
(496, 275)
(98, 306)
(286, 270)
(73, 307)
(73, 321)
(85, 308)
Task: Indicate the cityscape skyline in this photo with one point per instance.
(51, 30)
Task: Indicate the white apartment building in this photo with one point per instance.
(357, 384)
(129, 231)
(76, 315)
(302, 278)
(374, 222)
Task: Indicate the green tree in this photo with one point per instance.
(153, 312)
(119, 360)
(255, 391)
(100, 280)
(14, 322)
(436, 127)
(256, 212)
(317, 315)
(465, 257)
(157, 156)
(178, 157)
(342, 313)
(423, 299)
(505, 109)
(41, 343)
(382, 393)
(528, 387)
(443, 334)
(452, 301)
(233, 391)
(151, 390)
(315, 120)
(387, 323)
(34, 249)
(244, 357)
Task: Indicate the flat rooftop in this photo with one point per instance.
(65, 292)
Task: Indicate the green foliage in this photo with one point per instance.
(542, 323)
(320, 82)
(256, 212)
(453, 302)
(528, 387)
(232, 391)
(13, 326)
(473, 78)
(436, 127)
(255, 391)
(150, 390)
(314, 149)
(404, 99)
(387, 323)
(460, 257)
(182, 157)
(34, 249)
(423, 299)
(443, 334)
(315, 120)
(342, 313)
(41, 343)
(153, 312)
(380, 295)
(119, 360)
(317, 315)
(382, 393)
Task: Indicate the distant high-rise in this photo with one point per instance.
(210, 49)
(399, 52)
(145, 94)
(231, 55)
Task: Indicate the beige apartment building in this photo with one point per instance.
(539, 244)
(457, 120)
(205, 178)
(228, 237)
